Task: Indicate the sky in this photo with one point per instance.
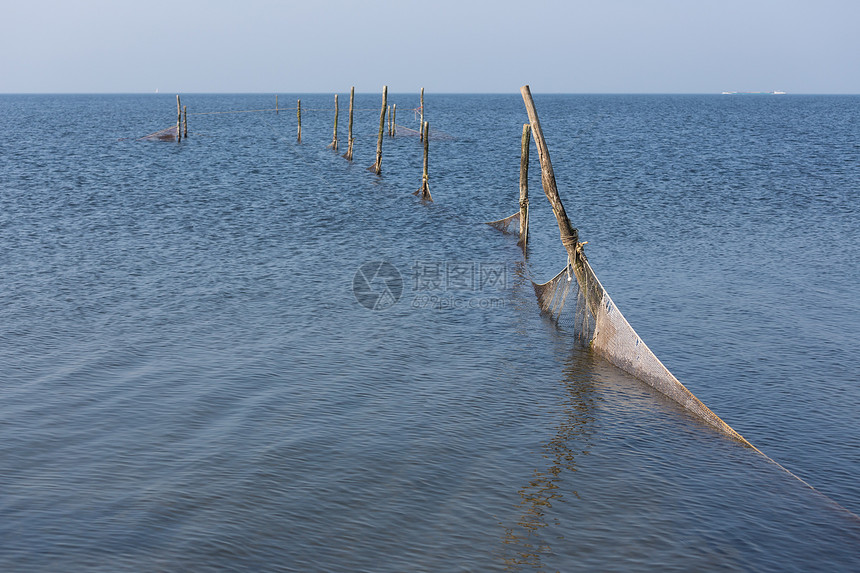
(446, 46)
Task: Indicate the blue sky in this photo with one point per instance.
(464, 46)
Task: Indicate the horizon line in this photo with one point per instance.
(172, 93)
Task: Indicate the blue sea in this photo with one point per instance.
(239, 352)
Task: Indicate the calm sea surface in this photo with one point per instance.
(189, 382)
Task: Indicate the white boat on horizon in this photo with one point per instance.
(755, 93)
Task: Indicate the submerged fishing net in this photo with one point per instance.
(517, 223)
(507, 225)
(403, 131)
(577, 301)
(168, 134)
(561, 299)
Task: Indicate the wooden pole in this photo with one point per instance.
(424, 191)
(334, 138)
(389, 121)
(377, 167)
(348, 154)
(299, 116)
(524, 186)
(178, 119)
(426, 176)
(569, 235)
(394, 120)
(422, 114)
(185, 121)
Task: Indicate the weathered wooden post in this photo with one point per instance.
(524, 186)
(422, 114)
(299, 116)
(185, 121)
(569, 235)
(348, 154)
(389, 120)
(333, 144)
(522, 215)
(178, 119)
(424, 191)
(377, 167)
(394, 120)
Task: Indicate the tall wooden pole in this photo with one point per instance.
(394, 120)
(185, 121)
(334, 137)
(426, 174)
(389, 121)
(422, 114)
(569, 235)
(424, 191)
(524, 185)
(377, 167)
(178, 119)
(348, 153)
(299, 116)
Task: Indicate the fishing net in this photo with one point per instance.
(403, 131)
(168, 134)
(577, 302)
(522, 216)
(517, 223)
(561, 300)
(508, 225)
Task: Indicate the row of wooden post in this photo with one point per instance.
(423, 192)
(391, 113)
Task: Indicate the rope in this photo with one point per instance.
(304, 109)
(571, 240)
(236, 111)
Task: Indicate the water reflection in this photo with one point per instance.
(529, 539)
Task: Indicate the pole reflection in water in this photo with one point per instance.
(530, 538)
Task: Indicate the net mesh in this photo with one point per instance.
(578, 303)
(168, 134)
(563, 302)
(507, 225)
(403, 131)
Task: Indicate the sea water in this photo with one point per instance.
(199, 370)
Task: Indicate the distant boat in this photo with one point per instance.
(754, 93)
